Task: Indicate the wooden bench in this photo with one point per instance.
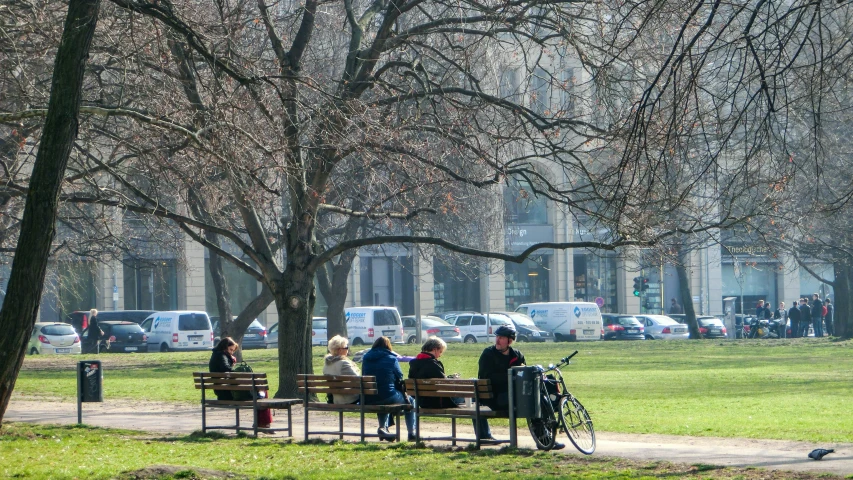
(474, 389)
(310, 385)
(240, 382)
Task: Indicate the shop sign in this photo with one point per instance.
(519, 238)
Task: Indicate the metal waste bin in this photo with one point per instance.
(526, 392)
(90, 381)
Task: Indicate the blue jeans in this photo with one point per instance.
(483, 427)
(804, 329)
(818, 326)
(398, 397)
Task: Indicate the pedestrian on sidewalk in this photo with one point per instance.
(794, 317)
(805, 317)
(817, 315)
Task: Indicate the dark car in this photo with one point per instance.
(711, 327)
(622, 327)
(255, 335)
(527, 330)
(123, 337)
(135, 316)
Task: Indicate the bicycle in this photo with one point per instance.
(560, 409)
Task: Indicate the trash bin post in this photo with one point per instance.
(90, 380)
(513, 432)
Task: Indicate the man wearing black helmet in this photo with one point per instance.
(494, 363)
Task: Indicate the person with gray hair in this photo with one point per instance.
(337, 363)
(428, 365)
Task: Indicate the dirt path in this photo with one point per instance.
(183, 418)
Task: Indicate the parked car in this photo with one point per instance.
(255, 335)
(135, 316)
(272, 336)
(319, 331)
(711, 327)
(178, 330)
(622, 327)
(527, 331)
(430, 327)
(123, 337)
(662, 327)
(54, 338)
(448, 317)
(479, 327)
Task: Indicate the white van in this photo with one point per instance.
(567, 321)
(178, 330)
(366, 324)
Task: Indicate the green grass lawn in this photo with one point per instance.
(797, 389)
(78, 452)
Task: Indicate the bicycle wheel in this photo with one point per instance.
(575, 421)
(544, 430)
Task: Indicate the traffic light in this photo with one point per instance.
(638, 286)
(645, 285)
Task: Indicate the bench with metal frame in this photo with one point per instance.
(250, 382)
(475, 389)
(311, 386)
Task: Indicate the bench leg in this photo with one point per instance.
(305, 420)
(289, 423)
(255, 422)
(237, 419)
(398, 426)
(453, 430)
(341, 425)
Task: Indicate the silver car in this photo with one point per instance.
(58, 338)
(661, 327)
(430, 327)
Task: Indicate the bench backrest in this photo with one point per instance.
(231, 381)
(449, 387)
(336, 384)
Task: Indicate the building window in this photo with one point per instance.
(567, 86)
(595, 276)
(527, 282)
(151, 285)
(456, 288)
(242, 288)
(387, 281)
(540, 91)
(508, 87)
(523, 206)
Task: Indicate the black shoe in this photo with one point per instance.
(413, 438)
(385, 435)
(489, 439)
(558, 446)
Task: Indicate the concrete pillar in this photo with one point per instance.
(493, 287)
(108, 279)
(191, 277)
(354, 289)
(627, 268)
(714, 278)
(788, 281)
(426, 282)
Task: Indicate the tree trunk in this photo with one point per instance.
(843, 299)
(38, 225)
(335, 291)
(686, 294)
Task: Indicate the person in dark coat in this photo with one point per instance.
(428, 365)
(382, 363)
(794, 317)
(817, 315)
(93, 334)
(222, 360)
(830, 325)
(805, 317)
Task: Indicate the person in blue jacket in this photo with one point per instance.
(382, 363)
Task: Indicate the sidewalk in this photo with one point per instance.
(182, 418)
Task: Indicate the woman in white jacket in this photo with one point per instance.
(337, 363)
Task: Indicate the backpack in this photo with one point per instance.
(242, 395)
(824, 312)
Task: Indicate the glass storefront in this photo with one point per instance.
(242, 288)
(456, 288)
(809, 285)
(522, 206)
(528, 281)
(750, 282)
(387, 281)
(151, 285)
(595, 276)
(75, 287)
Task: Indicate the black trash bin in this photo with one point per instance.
(90, 381)
(526, 392)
